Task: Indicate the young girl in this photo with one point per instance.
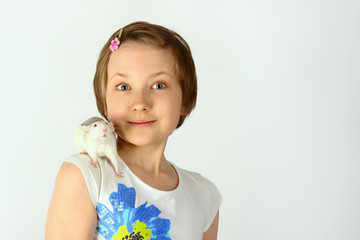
(145, 84)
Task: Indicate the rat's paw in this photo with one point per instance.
(93, 164)
(119, 175)
(85, 153)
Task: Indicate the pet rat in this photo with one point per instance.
(96, 138)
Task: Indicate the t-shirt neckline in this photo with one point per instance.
(150, 188)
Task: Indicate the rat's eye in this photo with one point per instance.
(158, 85)
(123, 87)
(95, 125)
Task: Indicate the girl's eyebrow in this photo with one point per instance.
(123, 75)
(160, 73)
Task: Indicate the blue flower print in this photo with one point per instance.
(129, 223)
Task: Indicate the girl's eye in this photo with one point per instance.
(123, 87)
(158, 85)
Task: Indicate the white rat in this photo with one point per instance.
(96, 138)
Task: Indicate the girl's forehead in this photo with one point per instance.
(134, 57)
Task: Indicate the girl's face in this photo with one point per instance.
(143, 95)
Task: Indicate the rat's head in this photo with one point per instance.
(96, 128)
(99, 130)
(158, 36)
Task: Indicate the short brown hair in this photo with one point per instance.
(155, 35)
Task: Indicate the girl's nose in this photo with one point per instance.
(141, 102)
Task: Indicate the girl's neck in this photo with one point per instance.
(150, 159)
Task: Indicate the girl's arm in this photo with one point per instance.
(211, 233)
(71, 213)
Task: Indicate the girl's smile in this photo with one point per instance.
(142, 124)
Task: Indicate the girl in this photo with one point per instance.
(145, 83)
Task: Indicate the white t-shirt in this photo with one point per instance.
(131, 209)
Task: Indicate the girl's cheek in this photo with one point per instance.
(116, 115)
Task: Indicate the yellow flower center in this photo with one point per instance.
(139, 232)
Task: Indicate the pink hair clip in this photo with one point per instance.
(116, 42)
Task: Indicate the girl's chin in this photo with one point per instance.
(141, 141)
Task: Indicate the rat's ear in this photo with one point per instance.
(111, 126)
(85, 129)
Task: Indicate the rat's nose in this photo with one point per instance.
(104, 129)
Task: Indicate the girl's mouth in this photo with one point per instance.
(142, 124)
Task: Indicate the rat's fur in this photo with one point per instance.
(96, 138)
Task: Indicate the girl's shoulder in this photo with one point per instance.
(91, 175)
(71, 211)
(198, 182)
(203, 190)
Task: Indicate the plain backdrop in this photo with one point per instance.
(276, 126)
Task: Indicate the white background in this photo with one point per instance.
(276, 126)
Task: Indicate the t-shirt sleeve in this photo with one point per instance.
(91, 175)
(214, 199)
